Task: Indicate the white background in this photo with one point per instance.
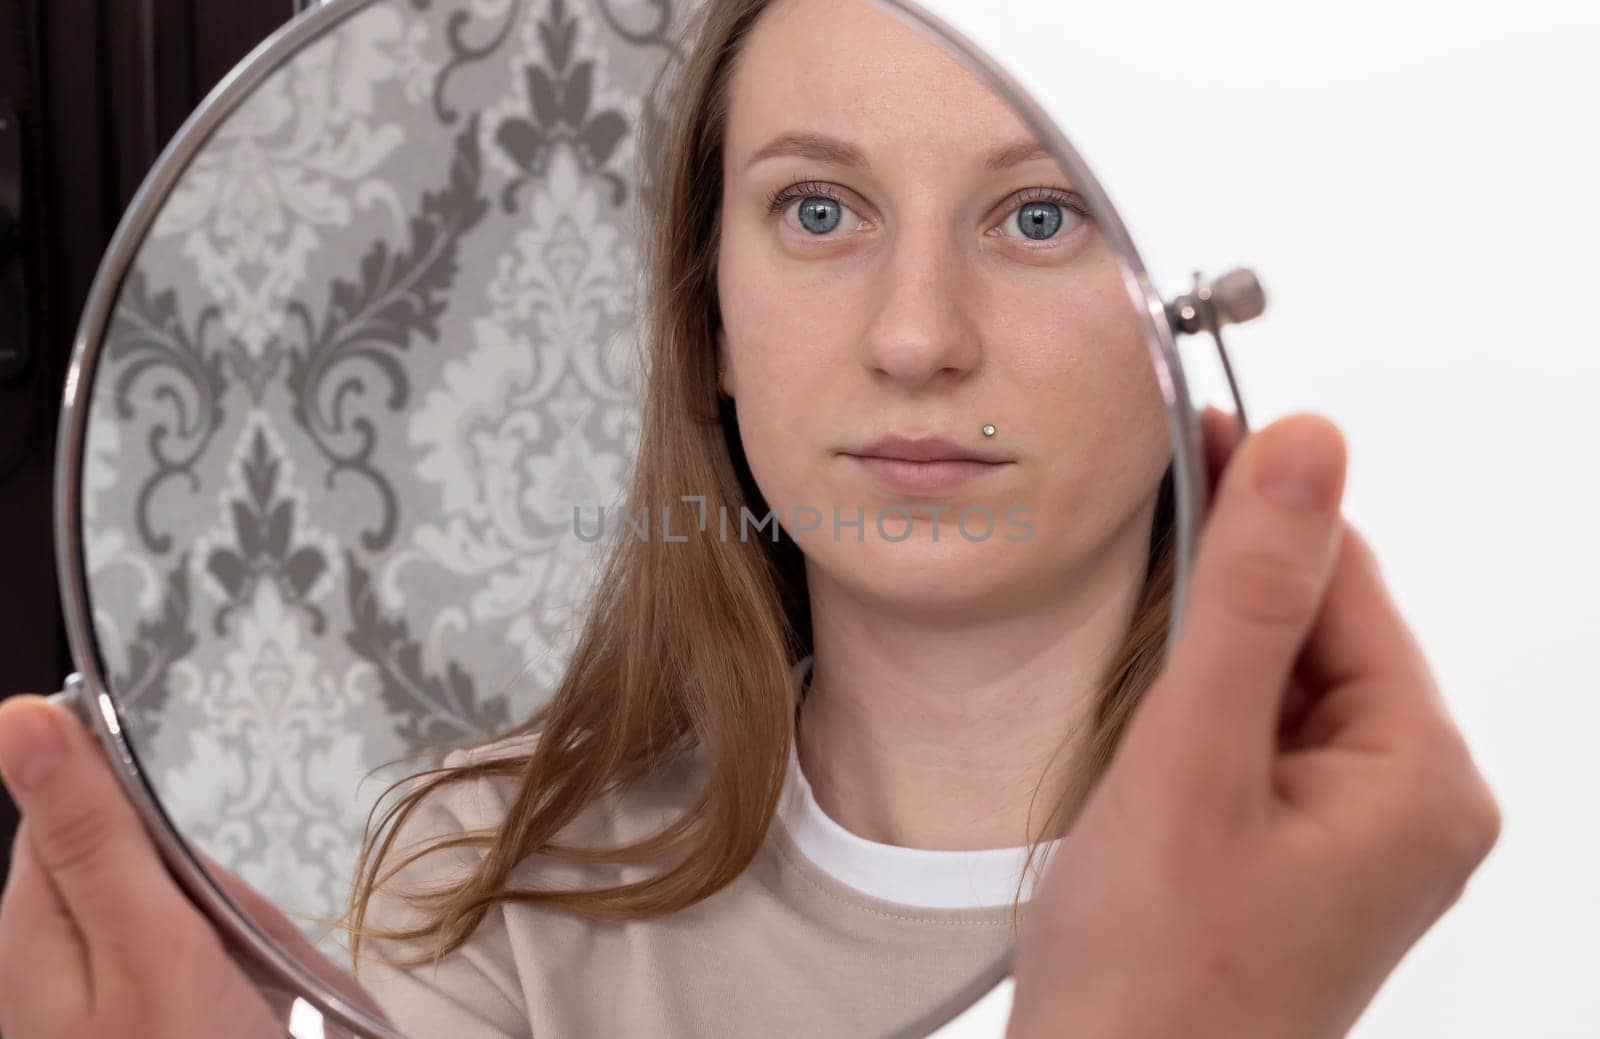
(1418, 185)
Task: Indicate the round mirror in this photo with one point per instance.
(599, 518)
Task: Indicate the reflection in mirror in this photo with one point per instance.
(623, 519)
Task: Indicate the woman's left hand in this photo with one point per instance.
(96, 938)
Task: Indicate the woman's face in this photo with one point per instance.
(878, 276)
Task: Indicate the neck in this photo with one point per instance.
(962, 738)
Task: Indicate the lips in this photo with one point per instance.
(922, 449)
(938, 477)
(923, 465)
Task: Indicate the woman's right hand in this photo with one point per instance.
(1291, 807)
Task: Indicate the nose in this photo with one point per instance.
(921, 333)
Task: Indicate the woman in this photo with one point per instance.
(874, 297)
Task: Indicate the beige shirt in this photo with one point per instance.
(789, 948)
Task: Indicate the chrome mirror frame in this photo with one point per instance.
(1235, 297)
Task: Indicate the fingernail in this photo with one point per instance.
(31, 748)
(1295, 468)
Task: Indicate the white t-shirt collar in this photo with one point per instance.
(932, 879)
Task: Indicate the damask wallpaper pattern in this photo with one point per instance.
(376, 347)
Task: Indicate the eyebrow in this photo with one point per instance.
(821, 148)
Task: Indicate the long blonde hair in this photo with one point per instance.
(688, 646)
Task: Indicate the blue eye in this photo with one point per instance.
(820, 212)
(1039, 220)
(820, 215)
(1045, 214)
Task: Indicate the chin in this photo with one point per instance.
(920, 576)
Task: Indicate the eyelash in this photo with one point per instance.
(819, 189)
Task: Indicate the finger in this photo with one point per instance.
(1258, 580)
(1362, 657)
(1360, 631)
(85, 834)
(40, 947)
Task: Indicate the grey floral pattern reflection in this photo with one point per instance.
(347, 404)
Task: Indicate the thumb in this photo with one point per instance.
(84, 833)
(1260, 573)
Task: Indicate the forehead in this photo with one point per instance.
(852, 70)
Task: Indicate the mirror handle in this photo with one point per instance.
(72, 698)
(1231, 299)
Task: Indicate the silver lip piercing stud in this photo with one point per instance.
(988, 431)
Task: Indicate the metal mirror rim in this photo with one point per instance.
(98, 706)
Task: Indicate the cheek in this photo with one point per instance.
(787, 341)
(782, 324)
(1087, 390)
(1082, 349)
